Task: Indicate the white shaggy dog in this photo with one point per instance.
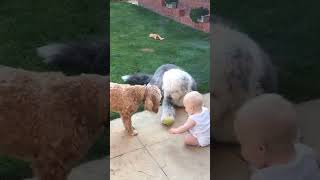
(240, 70)
(174, 83)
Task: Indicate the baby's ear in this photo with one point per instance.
(263, 148)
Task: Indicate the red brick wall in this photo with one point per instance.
(181, 14)
(195, 3)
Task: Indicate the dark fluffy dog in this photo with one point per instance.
(50, 119)
(78, 57)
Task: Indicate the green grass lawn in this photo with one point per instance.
(133, 51)
(289, 32)
(26, 25)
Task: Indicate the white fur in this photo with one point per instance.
(48, 51)
(125, 78)
(238, 65)
(173, 83)
(176, 83)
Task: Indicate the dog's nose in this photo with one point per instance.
(169, 97)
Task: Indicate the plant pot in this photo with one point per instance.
(204, 19)
(172, 5)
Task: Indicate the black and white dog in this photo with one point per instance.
(174, 83)
(78, 57)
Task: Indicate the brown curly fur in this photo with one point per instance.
(125, 99)
(50, 119)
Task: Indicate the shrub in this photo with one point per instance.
(196, 13)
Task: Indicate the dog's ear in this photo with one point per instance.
(155, 104)
(148, 104)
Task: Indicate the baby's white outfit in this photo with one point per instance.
(202, 128)
(303, 167)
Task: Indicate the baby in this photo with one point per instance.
(266, 129)
(198, 122)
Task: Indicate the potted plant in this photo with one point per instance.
(171, 3)
(200, 15)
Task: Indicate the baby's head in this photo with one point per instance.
(193, 102)
(266, 129)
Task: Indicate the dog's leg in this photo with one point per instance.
(126, 119)
(168, 110)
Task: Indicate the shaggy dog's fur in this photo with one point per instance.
(78, 57)
(174, 82)
(240, 71)
(50, 119)
(126, 99)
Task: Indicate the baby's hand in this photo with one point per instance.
(173, 130)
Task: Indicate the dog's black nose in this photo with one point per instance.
(169, 97)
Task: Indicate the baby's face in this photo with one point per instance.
(188, 107)
(252, 150)
(254, 153)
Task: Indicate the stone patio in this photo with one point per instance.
(93, 170)
(154, 153)
(157, 155)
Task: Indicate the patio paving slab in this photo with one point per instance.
(160, 155)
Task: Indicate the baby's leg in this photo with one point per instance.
(191, 140)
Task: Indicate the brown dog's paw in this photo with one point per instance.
(134, 132)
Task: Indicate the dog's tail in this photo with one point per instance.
(137, 79)
(82, 57)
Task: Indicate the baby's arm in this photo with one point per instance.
(185, 127)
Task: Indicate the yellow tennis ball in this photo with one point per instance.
(167, 121)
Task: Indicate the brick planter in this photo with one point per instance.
(180, 14)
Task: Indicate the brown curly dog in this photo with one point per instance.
(125, 99)
(50, 119)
